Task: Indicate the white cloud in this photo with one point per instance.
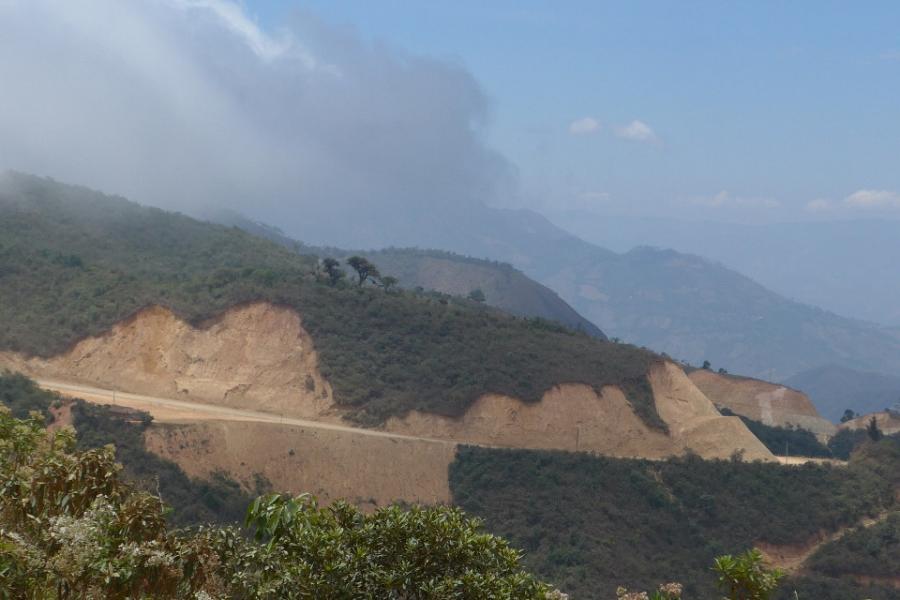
(188, 103)
(636, 131)
(819, 205)
(235, 19)
(873, 199)
(724, 199)
(584, 126)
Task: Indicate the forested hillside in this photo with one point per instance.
(591, 523)
(74, 262)
(496, 284)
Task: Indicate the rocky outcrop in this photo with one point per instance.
(769, 403)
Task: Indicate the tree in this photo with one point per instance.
(333, 270)
(364, 269)
(707, 365)
(70, 528)
(303, 550)
(849, 415)
(723, 371)
(745, 577)
(873, 431)
(388, 282)
(477, 295)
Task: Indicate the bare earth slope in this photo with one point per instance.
(255, 364)
(888, 422)
(259, 357)
(769, 403)
(254, 356)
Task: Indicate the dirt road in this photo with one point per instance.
(167, 410)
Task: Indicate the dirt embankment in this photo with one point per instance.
(888, 422)
(366, 470)
(255, 356)
(259, 358)
(574, 417)
(769, 403)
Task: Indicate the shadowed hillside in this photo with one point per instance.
(834, 389)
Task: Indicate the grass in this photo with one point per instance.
(74, 262)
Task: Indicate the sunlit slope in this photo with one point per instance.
(75, 263)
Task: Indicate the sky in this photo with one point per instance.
(293, 109)
(758, 110)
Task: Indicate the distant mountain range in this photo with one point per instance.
(834, 389)
(848, 267)
(689, 307)
(503, 286)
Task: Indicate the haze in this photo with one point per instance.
(357, 123)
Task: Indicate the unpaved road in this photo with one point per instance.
(792, 558)
(167, 410)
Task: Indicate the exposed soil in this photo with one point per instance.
(255, 356)
(888, 423)
(573, 417)
(769, 403)
(791, 558)
(366, 470)
(238, 393)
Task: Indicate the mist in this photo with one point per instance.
(189, 105)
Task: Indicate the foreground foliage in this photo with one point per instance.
(218, 500)
(70, 527)
(73, 263)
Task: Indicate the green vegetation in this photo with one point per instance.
(590, 524)
(873, 551)
(71, 528)
(785, 441)
(846, 441)
(22, 396)
(494, 283)
(745, 577)
(74, 262)
(219, 500)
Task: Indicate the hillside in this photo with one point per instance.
(798, 260)
(503, 286)
(888, 422)
(834, 389)
(686, 306)
(213, 498)
(76, 263)
(769, 403)
(591, 524)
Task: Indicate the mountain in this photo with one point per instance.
(680, 304)
(76, 264)
(503, 286)
(834, 389)
(824, 263)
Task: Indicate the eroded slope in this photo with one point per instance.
(769, 403)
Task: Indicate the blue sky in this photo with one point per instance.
(759, 111)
